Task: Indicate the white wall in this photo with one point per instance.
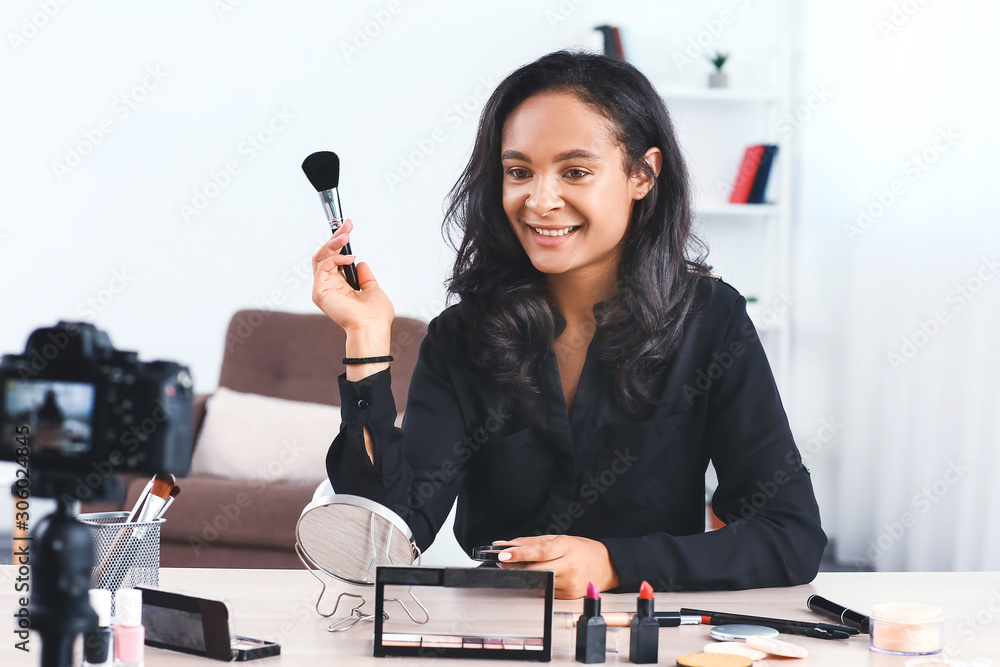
(890, 356)
(110, 241)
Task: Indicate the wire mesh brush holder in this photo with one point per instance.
(126, 555)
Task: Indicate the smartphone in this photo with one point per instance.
(197, 625)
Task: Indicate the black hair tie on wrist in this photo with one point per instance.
(351, 361)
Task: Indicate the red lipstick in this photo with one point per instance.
(645, 591)
(644, 631)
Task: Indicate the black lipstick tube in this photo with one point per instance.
(644, 634)
(591, 633)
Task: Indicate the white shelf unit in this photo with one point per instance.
(749, 244)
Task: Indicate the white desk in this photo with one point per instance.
(279, 605)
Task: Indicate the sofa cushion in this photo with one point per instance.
(252, 437)
(212, 512)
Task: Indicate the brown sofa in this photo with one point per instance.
(284, 355)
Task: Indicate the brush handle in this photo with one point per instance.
(350, 271)
(335, 216)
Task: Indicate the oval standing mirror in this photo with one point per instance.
(347, 537)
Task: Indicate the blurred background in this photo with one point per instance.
(152, 151)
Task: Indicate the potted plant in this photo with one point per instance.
(718, 78)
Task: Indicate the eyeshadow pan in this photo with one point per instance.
(440, 641)
(534, 644)
(391, 639)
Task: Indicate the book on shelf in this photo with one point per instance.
(612, 41)
(752, 177)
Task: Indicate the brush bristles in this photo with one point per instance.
(323, 170)
(162, 484)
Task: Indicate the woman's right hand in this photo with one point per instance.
(353, 310)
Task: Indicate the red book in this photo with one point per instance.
(745, 177)
(618, 43)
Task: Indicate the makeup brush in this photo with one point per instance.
(158, 496)
(174, 492)
(139, 501)
(323, 171)
(109, 572)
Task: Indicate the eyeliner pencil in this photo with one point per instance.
(622, 619)
(806, 629)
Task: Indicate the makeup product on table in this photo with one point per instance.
(591, 630)
(198, 626)
(622, 619)
(807, 629)
(835, 612)
(129, 635)
(777, 647)
(487, 554)
(97, 644)
(714, 660)
(735, 648)
(644, 631)
(464, 613)
(906, 629)
(740, 632)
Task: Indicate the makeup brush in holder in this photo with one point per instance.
(127, 544)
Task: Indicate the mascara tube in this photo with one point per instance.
(834, 611)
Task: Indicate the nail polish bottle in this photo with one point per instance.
(97, 645)
(591, 630)
(644, 631)
(130, 636)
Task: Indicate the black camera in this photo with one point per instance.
(91, 411)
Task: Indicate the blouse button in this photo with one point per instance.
(362, 404)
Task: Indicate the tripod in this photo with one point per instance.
(61, 563)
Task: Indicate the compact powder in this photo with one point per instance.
(735, 648)
(487, 553)
(903, 628)
(714, 660)
(777, 647)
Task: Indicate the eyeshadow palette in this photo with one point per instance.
(463, 613)
(457, 641)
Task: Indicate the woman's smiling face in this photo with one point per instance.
(565, 190)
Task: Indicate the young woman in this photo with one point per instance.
(591, 369)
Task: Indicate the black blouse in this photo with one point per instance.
(637, 486)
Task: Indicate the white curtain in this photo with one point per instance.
(899, 247)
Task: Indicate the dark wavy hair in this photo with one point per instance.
(505, 305)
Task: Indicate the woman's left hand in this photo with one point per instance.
(575, 560)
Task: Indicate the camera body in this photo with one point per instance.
(90, 408)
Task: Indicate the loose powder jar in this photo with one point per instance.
(903, 628)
